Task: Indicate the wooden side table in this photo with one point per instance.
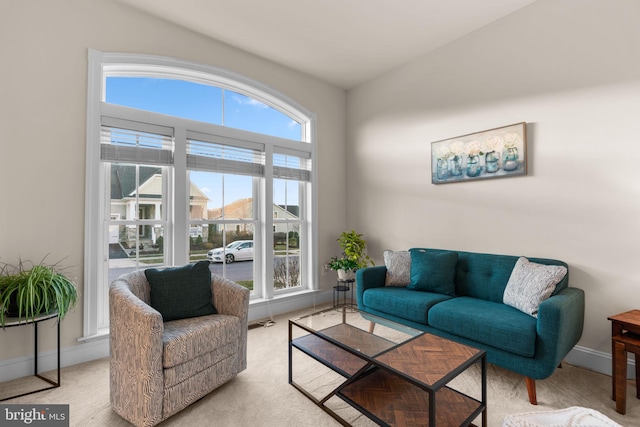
(625, 337)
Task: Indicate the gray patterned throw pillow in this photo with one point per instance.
(530, 284)
(398, 265)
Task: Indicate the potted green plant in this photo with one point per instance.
(354, 255)
(354, 248)
(28, 290)
(344, 266)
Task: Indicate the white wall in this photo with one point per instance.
(571, 70)
(43, 94)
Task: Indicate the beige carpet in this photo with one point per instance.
(261, 395)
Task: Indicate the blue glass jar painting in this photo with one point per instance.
(455, 162)
(473, 166)
(491, 162)
(442, 166)
(510, 159)
(472, 151)
(493, 153)
(510, 155)
(455, 166)
(442, 162)
(491, 146)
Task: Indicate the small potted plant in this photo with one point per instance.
(28, 290)
(354, 255)
(344, 266)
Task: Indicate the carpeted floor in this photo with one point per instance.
(261, 395)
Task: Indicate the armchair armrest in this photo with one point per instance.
(229, 297)
(232, 299)
(135, 342)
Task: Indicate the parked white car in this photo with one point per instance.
(240, 250)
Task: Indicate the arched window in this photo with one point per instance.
(187, 162)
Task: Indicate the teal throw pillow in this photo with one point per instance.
(433, 271)
(181, 292)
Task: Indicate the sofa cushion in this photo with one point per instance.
(398, 265)
(181, 292)
(402, 302)
(530, 284)
(433, 271)
(187, 339)
(483, 276)
(490, 323)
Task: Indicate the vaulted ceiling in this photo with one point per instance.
(343, 42)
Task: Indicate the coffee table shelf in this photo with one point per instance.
(391, 400)
(335, 358)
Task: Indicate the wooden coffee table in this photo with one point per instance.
(395, 375)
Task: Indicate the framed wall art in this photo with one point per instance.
(493, 153)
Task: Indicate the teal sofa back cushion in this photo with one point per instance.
(485, 276)
(433, 272)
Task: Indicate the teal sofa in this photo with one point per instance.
(474, 312)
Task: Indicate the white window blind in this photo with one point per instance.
(291, 164)
(127, 141)
(224, 155)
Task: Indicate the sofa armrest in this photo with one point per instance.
(560, 323)
(135, 362)
(232, 299)
(369, 277)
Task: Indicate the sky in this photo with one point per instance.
(207, 104)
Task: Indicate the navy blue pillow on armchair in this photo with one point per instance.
(181, 292)
(433, 271)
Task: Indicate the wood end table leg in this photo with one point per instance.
(620, 377)
(637, 376)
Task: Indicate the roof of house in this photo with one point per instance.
(243, 208)
(123, 180)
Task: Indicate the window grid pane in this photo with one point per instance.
(137, 223)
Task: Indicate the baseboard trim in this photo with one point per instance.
(47, 361)
(597, 361)
(98, 348)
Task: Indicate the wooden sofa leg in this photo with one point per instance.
(372, 325)
(531, 389)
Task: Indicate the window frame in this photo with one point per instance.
(101, 64)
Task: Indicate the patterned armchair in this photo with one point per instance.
(159, 368)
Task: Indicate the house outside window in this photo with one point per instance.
(182, 161)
